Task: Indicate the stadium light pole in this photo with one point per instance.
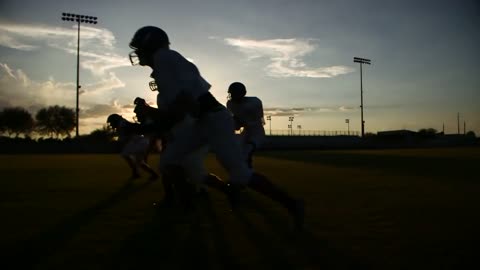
(269, 118)
(458, 123)
(290, 118)
(79, 19)
(361, 61)
(348, 126)
(299, 129)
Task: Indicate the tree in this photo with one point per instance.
(55, 120)
(427, 132)
(16, 121)
(471, 134)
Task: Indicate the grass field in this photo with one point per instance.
(376, 209)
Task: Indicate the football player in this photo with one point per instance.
(135, 147)
(248, 115)
(183, 91)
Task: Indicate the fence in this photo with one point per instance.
(303, 132)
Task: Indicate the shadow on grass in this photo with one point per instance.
(29, 253)
(175, 239)
(203, 240)
(297, 249)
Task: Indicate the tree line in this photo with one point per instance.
(59, 121)
(54, 121)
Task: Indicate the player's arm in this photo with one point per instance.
(161, 121)
(238, 124)
(260, 111)
(257, 114)
(166, 77)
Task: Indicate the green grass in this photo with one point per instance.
(378, 209)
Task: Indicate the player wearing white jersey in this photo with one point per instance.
(248, 115)
(135, 147)
(184, 91)
(152, 120)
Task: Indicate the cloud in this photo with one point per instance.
(97, 55)
(286, 57)
(5, 68)
(95, 116)
(297, 111)
(19, 90)
(101, 110)
(97, 44)
(105, 84)
(309, 110)
(9, 42)
(128, 106)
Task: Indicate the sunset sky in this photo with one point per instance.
(297, 56)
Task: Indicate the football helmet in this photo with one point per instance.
(145, 42)
(114, 120)
(236, 91)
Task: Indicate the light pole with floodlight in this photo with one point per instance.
(361, 61)
(79, 19)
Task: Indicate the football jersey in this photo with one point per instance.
(249, 111)
(175, 75)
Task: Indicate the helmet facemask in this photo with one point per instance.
(153, 86)
(138, 57)
(134, 59)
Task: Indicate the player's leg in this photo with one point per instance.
(133, 167)
(195, 170)
(147, 145)
(219, 130)
(153, 174)
(222, 140)
(137, 149)
(253, 139)
(223, 143)
(127, 154)
(198, 174)
(248, 149)
(186, 140)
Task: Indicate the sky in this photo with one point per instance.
(296, 56)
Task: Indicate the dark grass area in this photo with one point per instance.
(378, 209)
